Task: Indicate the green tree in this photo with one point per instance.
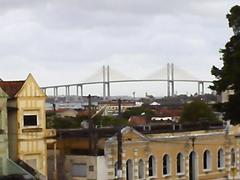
(228, 77)
(137, 111)
(196, 112)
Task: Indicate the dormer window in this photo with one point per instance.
(30, 120)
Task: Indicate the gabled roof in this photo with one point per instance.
(11, 87)
(2, 93)
(126, 130)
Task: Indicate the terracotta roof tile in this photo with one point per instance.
(11, 87)
(137, 120)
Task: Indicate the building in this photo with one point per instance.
(112, 107)
(27, 133)
(161, 152)
(3, 132)
(183, 155)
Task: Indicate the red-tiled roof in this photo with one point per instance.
(11, 87)
(137, 120)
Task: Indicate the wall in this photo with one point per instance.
(101, 167)
(136, 147)
(98, 163)
(3, 133)
(32, 146)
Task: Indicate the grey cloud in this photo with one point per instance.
(75, 37)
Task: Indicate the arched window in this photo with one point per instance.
(233, 158)
(129, 169)
(206, 160)
(115, 169)
(193, 169)
(140, 169)
(180, 163)
(166, 164)
(152, 166)
(220, 158)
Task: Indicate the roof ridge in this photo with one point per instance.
(12, 81)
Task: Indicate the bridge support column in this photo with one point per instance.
(81, 86)
(77, 91)
(172, 75)
(108, 82)
(67, 88)
(203, 88)
(104, 85)
(200, 87)
(55, 91)
(168, 80)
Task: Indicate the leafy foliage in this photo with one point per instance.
(137, 111)
(57, 122)
(228, 77)
(197, 111)
(110, 121)
(234, 18)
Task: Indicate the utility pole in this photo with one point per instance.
(119, 108)
(119, 155)
(91, 129)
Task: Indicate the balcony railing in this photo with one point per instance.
(49, 133)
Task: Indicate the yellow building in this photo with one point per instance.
(167, 153)
(3, 133)
(193, 155)
(27, 131)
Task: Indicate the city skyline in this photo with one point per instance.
(65, 41)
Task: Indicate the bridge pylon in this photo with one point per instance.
(170, 79)
(106, 82)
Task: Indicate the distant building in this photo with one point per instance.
(67, 113)
(112, 107)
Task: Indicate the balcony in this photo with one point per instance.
(50, 133)
(30, 130)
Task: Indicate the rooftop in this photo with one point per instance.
(107, 132)
(11, 87)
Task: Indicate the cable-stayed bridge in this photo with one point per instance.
(106, 76)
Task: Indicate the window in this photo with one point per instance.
(152, 166)
(30, 120)
(166, 164)
(233, 158)
(79, 170)
(220, 158)
(91, 168)
(180, 163)
(140, 169)
(206, 160)
(129, 169)
(115, 169)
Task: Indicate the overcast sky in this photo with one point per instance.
(66, 41)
